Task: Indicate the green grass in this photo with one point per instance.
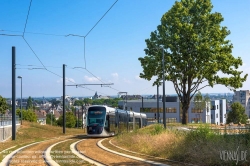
(201, 146)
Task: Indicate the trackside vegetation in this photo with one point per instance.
(31, 132)
(201, 146)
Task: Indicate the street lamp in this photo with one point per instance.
(163, 79)
(21, 99)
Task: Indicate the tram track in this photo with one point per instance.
(32, 154)
(90, 149)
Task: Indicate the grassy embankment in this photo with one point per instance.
(34, 132)
(201, 146)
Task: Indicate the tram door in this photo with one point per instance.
(107, 124)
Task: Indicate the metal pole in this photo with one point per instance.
(126, 99)
(78, 118)
(64, 117)
(21, 100)
(82, 117)
(164, 100)
(158, 114)
(13, 93)
(142, 104)
(51, 118)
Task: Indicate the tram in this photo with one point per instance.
(104, 121)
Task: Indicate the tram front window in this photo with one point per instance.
(96, 116)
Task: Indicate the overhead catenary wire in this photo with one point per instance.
(34, 52)
(27, 18)
(3, 34)
(101, 18)
(75, 35)
(38, 66)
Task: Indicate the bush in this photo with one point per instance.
(70, 120)
(29, 115)
(158, 129)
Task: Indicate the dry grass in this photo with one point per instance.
(33, 132)
(65, 157)
(201, 146)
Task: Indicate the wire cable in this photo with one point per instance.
(47, 34)
(34, 53)
(27, 18)
(75, 35)
(39, 66)
(100, 19)
(84, 54)
(3, 34)
(94, 76)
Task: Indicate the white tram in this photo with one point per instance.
(104, 121)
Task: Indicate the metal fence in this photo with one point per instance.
(7, 120)
(232, 130)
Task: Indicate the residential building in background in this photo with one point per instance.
(243, 97)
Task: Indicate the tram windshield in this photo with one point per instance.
(96, 116)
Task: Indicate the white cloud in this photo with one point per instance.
(91, 79)
(115, 75)
(68, 80)
(127, 81)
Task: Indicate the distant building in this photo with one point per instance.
(45, 104)
(243, 97)
(68, 101)
(131, 97)
(41, 117)
(173, 110)
(96, 96)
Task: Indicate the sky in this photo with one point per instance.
(115, 33)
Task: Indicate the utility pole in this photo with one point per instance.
(142, 105)
(13, 93)
(64, 116)
(164, 99)
(158, 114)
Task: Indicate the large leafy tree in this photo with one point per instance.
(3, 105)
(237, 114)
(195, 51)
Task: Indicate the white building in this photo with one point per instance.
(243, 97)
(68, 101)
(174, 113)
